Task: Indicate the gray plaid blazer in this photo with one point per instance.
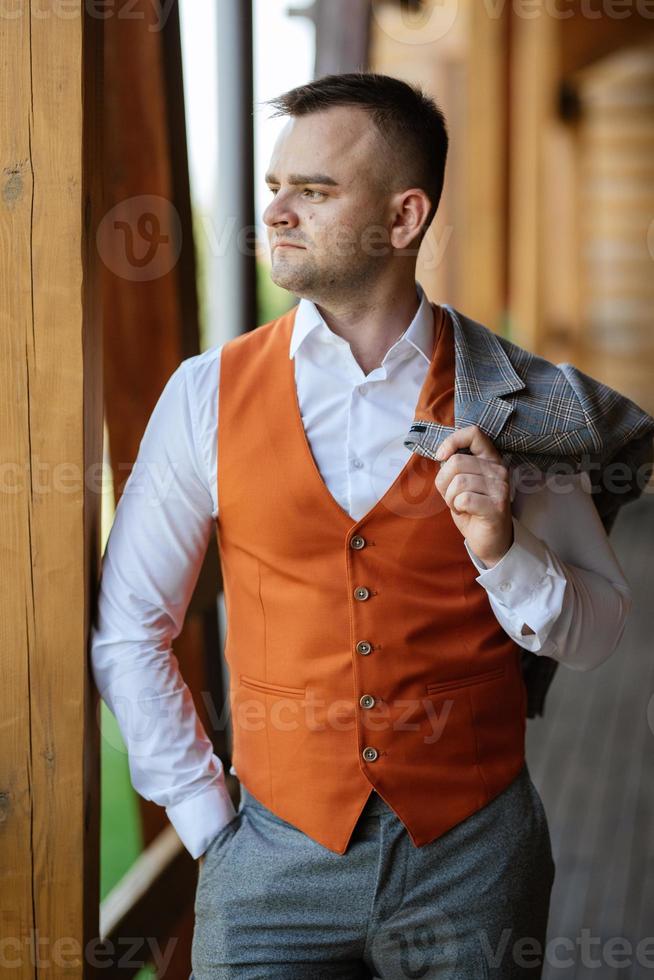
(543, 414)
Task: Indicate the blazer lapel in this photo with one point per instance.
(536, 412)
(535, 422)
(484, 377)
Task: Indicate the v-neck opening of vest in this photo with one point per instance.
(410, 463)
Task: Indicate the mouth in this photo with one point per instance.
(287, 245)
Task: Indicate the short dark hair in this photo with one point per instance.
(409, 120)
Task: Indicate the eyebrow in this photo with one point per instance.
(305, 179)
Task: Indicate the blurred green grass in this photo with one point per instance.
(121, 840)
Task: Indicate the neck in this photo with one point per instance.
(372, 323)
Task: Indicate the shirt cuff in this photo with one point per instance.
(198, 819)
(519, 572)
(525, 584)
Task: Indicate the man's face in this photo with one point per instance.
(329, 215)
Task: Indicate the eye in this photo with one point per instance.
(273, 190)
(316, 194)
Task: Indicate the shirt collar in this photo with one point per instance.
(419, 335)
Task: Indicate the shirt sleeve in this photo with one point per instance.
(152, 560)
(560, 577)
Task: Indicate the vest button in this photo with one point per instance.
(361, 593)
(356, 541)
(370, 754)
(366, 700)
(364, 647)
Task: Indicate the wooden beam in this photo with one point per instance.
(173, 80)
(141, 239)
(535, 76)
(483, 233)
(50, 459)
(152, 313)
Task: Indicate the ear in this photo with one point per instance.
(410, 213)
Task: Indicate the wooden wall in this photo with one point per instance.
(71, 257)
(616, 221)
(50, 454)
(544, 231)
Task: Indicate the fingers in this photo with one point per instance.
(476, 494)
(472, 438)
(474, 465)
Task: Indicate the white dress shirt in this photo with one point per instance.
(560, 576)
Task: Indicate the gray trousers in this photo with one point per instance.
(271, 903)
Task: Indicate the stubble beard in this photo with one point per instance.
(328, 283)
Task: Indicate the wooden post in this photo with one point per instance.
(534, 90)
(50, 458)
(151, 311)
(483, 230)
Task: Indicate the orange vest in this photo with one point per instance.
(362, 654)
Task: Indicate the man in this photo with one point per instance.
(378, 599)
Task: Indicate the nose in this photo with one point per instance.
(280, 213)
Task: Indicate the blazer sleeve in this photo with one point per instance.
(622, 435)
